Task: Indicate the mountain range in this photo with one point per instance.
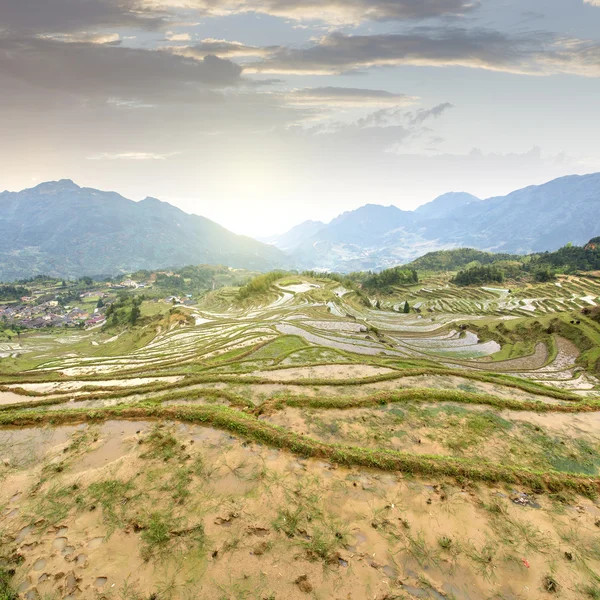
(61, 229)
(533, 219)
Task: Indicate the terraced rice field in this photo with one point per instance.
(301, 445)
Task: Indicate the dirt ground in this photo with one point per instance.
(107, 512)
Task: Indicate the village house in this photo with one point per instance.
(129, 283)
(95, 320)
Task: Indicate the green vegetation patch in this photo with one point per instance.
(250, 427)
(259, 285)
(280, 348)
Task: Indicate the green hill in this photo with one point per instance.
(63, 230)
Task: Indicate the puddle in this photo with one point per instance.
(68, 550)
(71, 582)
(94, 543)
(23, 534)
(356, 539)
(81, 560)
(29, 445)
(39, 564)
(60, 543)
(390, 571)
(100, 581)
(113, 434)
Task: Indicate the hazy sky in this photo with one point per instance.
(260, 114)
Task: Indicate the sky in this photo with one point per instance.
(261, 114)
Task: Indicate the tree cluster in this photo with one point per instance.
(13, 292)
(479, 275)
(386, 280)
(125, 310)
(259, 284)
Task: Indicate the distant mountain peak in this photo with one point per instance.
(57, 186)
(442, 205)
(151, 200)
(532, 219)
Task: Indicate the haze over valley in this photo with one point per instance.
(61, 229)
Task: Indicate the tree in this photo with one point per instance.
(544, 275)
(135, 314)
(100, 303)
(406, 307)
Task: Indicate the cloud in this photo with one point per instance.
(422, 115)
(128, 104)
(381, 131)
(537, 53)
(103, 72)
(592, 2)
(389, 116)
(43, 16)
(346, 97)
(85, 37)
(177, 37)
(339, 12)
(221, 48)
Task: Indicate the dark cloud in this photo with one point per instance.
(340, 53)
(103, 71)
(340, 11)
(43, 16)
(536, 53)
